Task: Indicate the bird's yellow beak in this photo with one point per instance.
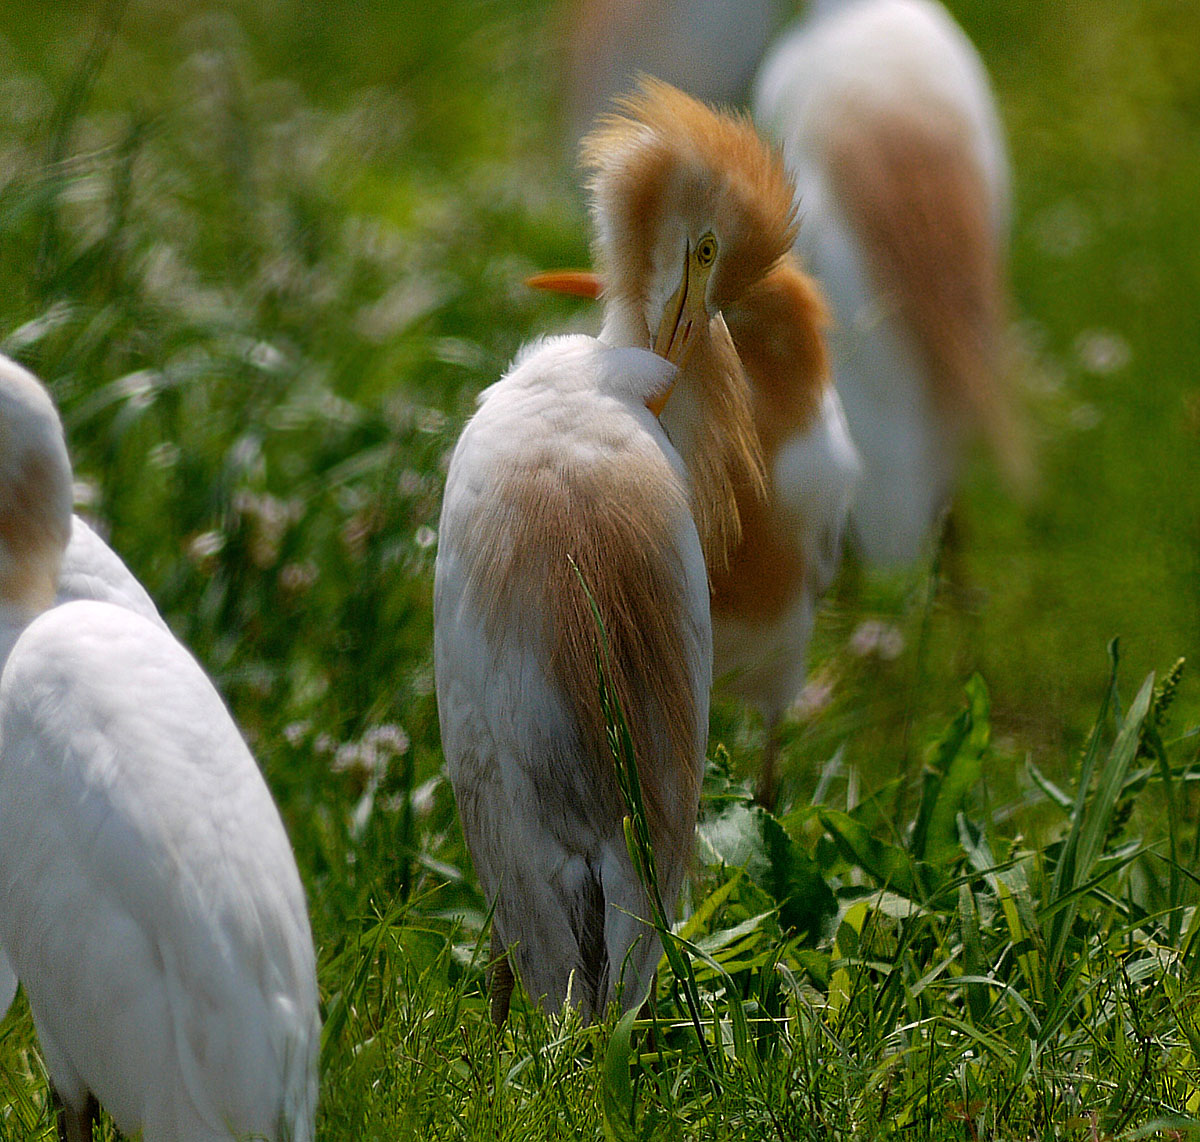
(656, 404)
(686, 311)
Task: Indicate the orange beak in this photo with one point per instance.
(577, 283)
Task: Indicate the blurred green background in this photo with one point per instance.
(267, 253)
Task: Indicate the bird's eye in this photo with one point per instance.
(706, 250)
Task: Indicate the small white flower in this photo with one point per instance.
(164, 454)
(205, 545)
(1101, 351)
(85, 493)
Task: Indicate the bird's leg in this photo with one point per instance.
(767, 787)
(75, 1125)
(950, 563)
(849, 585)
(500, 986)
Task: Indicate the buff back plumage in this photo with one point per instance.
(778, 331)
(556, 539)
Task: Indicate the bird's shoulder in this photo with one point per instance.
(89, 665)
(572, 383)
(92, 570)
(117, 746)
(561, 446)
(816, 473)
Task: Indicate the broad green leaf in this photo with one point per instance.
(747, 836)
(954, 770)
(616, 1089)
(888, 865)
(806, 902)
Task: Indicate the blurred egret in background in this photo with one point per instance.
(708, 48)
(887, 120)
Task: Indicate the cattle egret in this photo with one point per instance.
(564, 477)
(149, 900)
(886, 118)
(672, 182)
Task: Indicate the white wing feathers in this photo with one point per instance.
(123, 898)
(92, 570)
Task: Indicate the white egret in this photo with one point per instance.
(672, 179)
(887, 120)
(149, 899)
(90, 570)
(563, 475)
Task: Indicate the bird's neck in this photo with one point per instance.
(624, 324)
(35, 520)
(28, 586)
(709, 419)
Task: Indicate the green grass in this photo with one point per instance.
(266, 255)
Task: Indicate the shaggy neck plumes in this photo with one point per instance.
(710, 421)
(691, 211)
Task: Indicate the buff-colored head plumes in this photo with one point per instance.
(690, 199)
(662, 153)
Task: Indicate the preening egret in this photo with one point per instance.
(674, 182)
(564, 474)
(886, 117)
(149, 899)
